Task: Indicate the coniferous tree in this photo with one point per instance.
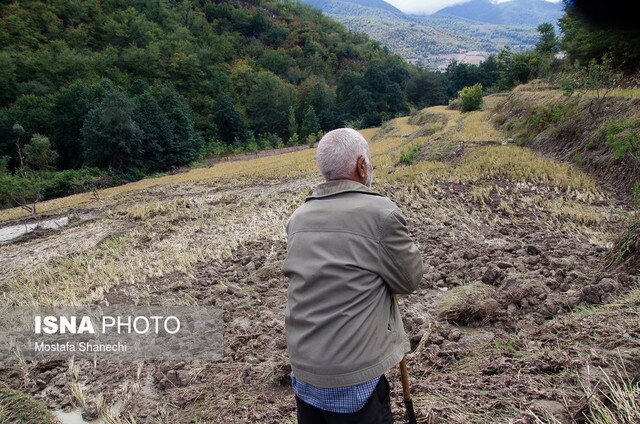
(228, 120)
(184, 139)
(155, 138)
(548, 42)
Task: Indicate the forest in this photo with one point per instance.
(99, 93)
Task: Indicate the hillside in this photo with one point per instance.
(137, 88)
(513, 316)
(355, 7)
(431, 40)
(513, 12)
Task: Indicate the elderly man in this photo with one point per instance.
(349, 251)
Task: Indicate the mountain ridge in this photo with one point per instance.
(432, 40)
(514, 12)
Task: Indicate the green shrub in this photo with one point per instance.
(623, 136)
(271, 141)
(16, 190)
(409, 154)
(214, 147)
(70, 181)
(544, 116)
(471, 98)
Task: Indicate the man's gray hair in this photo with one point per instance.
(338, 152)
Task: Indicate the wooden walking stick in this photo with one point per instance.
(404, 377)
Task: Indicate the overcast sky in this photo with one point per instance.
(429, 6)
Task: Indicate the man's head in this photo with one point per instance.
(343, 154)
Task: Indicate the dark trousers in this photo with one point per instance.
(377, 410)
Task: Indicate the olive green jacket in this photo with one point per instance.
(348, 251)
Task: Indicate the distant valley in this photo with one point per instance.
(466, 32)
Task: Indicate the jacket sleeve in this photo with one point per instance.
(400, 261)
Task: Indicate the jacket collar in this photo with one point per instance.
(331, 188)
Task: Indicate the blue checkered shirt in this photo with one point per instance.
(343, 400)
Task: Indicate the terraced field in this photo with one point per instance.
(517, 313)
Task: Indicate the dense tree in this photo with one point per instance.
(8, 84)
(517, 68)
(184, 139)
(228, 121)
(55, 54)
(460, 75)
(427, 88)
(317, 93)
(70, 108)
(268, 105)
(110, 136)
(155, 137)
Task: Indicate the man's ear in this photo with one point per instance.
(361, 168)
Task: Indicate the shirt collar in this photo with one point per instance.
(331, 188)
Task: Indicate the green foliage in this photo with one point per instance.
(548, 42)
(310, 125)
(597, 76)
(459, 75)
(293, 140)
(270, 141)
(227, 121)
(543, 116)
(376, 95)
(135, 86)
(293, 122)
(213, 147)
(72, 181)
(407, 155)
(471, 98)
(16, 190)
(584, 43)
(623, 136)
(518, 68)
(4, 165)
(38, 154)
(427, 88)
(268, 104)
(110, 136)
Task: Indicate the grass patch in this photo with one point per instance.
(471, 303)
(408, 154)
(623, 136)
(617, 403)
(19, 407)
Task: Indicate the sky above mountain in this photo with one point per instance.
(431, 6)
